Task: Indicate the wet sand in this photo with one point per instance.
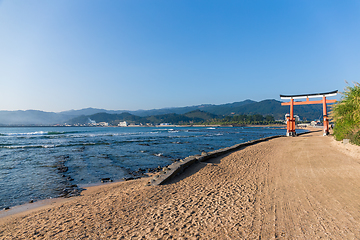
(306, 187)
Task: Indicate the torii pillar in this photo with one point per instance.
(291, 120)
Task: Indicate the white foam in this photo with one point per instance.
(27, 134)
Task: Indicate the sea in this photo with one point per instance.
(47, 162)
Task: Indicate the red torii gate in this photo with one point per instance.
(291, 120)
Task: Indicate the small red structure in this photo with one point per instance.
(291, 120)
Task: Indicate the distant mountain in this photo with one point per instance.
(168, 118)
(201, 115)
(265, 107)
(222, 109)
(90, 111)
(114, 119)
(31, 117)
(269, 107)
(226, 109)
(106, 117)
(85, 111)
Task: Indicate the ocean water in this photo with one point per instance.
(46, 162)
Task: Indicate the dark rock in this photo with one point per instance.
(71, 191)
(31, 201)
(144, 144)
(106, 180)
(6, 208)
(62, 169)
(128, 178)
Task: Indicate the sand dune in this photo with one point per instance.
(304, 187)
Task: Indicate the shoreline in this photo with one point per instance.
(244, 194)
(157, 178)
(28, 205)
(28, 208)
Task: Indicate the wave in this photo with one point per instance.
(51, 145)
(28, 146)
(173, 131)
(61, 133)
(42, 133)
(94, 134)
(82, 134)
(26, 133)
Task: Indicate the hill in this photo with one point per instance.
(222, 109)
(106, 117)
(274, 108)
(31, 117)
(114, 119)
(265, 107)
(208, 111)
(201, 115)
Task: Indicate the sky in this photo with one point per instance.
(149, 54)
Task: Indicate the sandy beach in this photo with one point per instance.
(304, 187)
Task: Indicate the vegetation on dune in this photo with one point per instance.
(346, 115)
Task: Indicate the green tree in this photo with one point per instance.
(269, 118)
(346, 115)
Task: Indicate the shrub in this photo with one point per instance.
(346, 115)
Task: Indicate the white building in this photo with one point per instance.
(123, 124)
(297, 118)
(103, 124)
(316, 123)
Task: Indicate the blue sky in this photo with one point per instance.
(132, 54)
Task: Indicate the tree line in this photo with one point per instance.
(244, 119)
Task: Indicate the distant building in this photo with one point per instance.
(103, 124)
(133, 125)
(297, 118)
(316, 123)
(123, 124)
(304, 125)
(165, 124)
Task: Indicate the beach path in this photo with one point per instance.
(303, 187)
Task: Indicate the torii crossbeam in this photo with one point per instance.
(324, 101)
